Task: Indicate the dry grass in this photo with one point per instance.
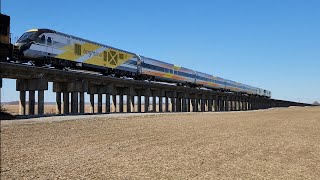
(51, 109)
(270, 144)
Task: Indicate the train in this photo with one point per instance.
(46, 47)
(5, 40)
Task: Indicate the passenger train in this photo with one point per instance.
(49, 47)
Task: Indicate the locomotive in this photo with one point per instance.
(60, 50)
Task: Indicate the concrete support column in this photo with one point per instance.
(203, 104)
(160, 104)
(82, 104)
(173, 104)
(74, 102)
(167, 104)
(253, 105)
(193, 102)
(223, 103)
(139, 103)
(146, 103)
(216, 103)
(227, 103)
(40, 102)
(121, 103)
(154, 103)
(178, 101)
(235, 103)
(114, 102)
(22, 103)
(220, 103)
(209, 104)
(243, 105)
(246, 104)
(99, 103)
(107, 103)
(91, 103)
(184, 104)
(231, 103)
(132, 104)
(31, 102)
(31, 85)
(58, 102)
(196, 105)
(129, 98)
(65, 103)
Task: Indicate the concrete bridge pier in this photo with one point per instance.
(173, 95)
(193, 104)
(66, 102)
(166, 104)
(188, 104)
(241, 104)
(154, 103)
(31, 85)
(203, 103)
(74, 102)
(107, 103)
(99, 103)
(82, 103)
(146, 103)
(197, 105)
(139, 103)
(210, 103)
(121, 103)
(246, 104)
(114, 102)
(178, 102)
(75, 88)
(217, 104)
(160, 104)
(222, 105)
(231, 103)
(184, 104)
(130, 103)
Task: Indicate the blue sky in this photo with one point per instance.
(272, 44)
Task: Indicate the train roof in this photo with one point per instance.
(75, 37)
(43, 30)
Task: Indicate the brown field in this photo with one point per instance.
(269, 144)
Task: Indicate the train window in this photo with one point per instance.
(121, 56)
(77, 49)
(43, 39)
(49, 41)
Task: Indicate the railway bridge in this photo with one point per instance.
(130, 95)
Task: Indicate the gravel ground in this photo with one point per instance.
(268, 144)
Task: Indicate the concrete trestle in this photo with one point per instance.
(73, 85)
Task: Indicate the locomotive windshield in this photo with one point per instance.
(25, 37)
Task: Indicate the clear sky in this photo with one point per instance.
(272, 44)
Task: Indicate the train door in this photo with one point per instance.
(42, 44)
(195, 74)
(49, 44)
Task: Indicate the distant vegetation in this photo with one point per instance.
(316, 103)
